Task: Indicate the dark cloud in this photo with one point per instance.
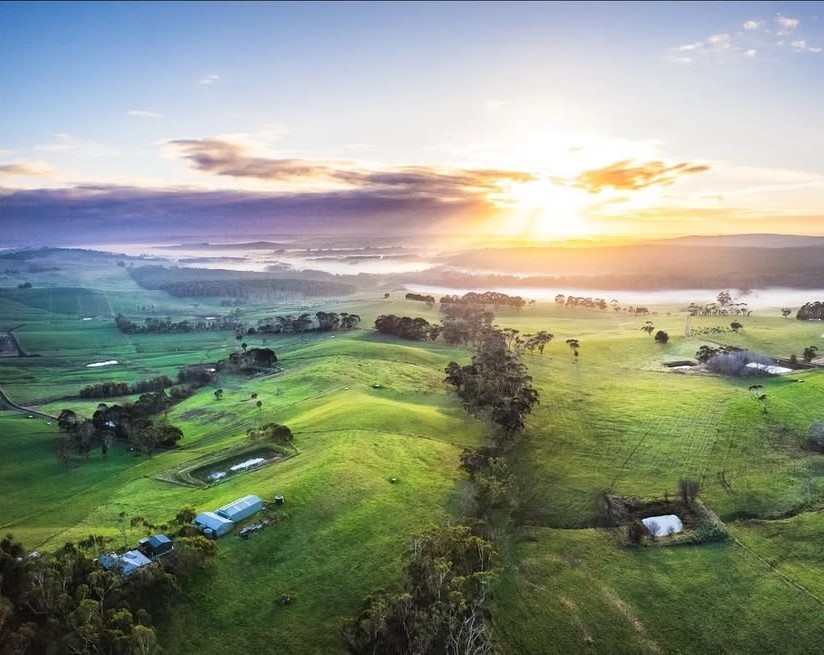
(101, 213)
(221, 157)
(631, 176)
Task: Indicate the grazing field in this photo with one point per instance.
(366, 408)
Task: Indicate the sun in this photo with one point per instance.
(543, 211)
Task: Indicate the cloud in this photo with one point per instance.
(786, 25)
(115, 212)
(631, 176)
(752, 25)
(219, 156)
(802, 46)
(26, 169)
(208, 79)
(719, 41)
(749, 54)
(144, 113)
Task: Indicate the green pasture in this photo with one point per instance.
(365, 408)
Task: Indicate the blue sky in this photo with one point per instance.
(96, 94)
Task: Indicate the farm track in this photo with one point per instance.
(6, 403)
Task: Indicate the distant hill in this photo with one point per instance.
(650, 266)
(746, 241)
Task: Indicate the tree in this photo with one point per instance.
(661, 336)
(648, 327)
(724, 298)
(786, 311)
(688, 490)
(735, 326)
(809, 353)
(218, 394)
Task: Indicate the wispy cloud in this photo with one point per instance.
(628, 175)
(144, 113)
(211, 78)
(802, 46)
(77, 146)
(757, 35)
(26, 169)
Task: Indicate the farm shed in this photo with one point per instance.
(155, 546)
(126, 564)
(241, 508)
(213, 524)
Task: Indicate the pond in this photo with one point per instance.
(661, 526)
(236, 464)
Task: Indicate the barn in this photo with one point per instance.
(241, 508)
(212, 524)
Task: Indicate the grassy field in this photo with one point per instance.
(365, 408)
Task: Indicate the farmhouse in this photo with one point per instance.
(125, 564)
(155, 546)
(241, 508)
(213, 525)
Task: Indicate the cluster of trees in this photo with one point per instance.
(197, 375)
(442, 609)
(584, 302)
(248, 360)
(429, 300)
(64, 602)
(322, 322)
(462, 324)
(811, 311)
(485, 299)
(735, 326)
(166, 325)
(273, 432)
(406, 327)
(110, 388)
(205, 283)
(724, 305)
(130, 422)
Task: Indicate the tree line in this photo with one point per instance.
(429, 300)
(486, 299)
(110, 388)
(204, 283)
(443, 607)
(167, 326)
(322, 322)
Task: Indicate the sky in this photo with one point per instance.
(533, 121)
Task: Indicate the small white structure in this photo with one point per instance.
(125, 564)
(660, 526)
(772, 370)
(212, 524)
